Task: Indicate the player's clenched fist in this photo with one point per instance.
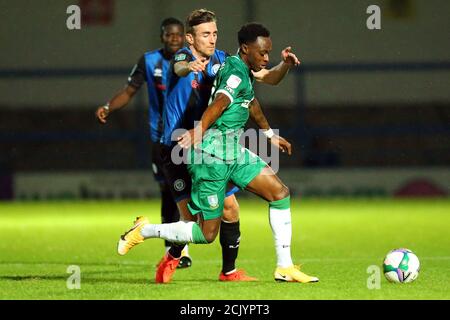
(197, 65)
(102, 113)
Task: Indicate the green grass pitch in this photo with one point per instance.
(336, 240)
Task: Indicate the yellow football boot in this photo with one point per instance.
(293, 274)
(132, 237)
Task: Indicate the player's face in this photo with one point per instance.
(173, 38)
(258, 53)
(204, 38)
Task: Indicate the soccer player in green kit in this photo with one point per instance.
(217, 157)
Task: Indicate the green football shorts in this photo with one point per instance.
(210, 180)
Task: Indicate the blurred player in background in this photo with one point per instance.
(189, 89)
(152, 68)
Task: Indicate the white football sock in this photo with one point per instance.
(180, 231)
(280, 222)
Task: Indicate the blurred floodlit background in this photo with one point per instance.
(367, 112)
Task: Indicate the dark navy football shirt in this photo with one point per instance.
(186, 98)
(152, 68)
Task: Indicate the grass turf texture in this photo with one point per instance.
(336, 240)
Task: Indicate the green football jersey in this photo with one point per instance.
(235, 80)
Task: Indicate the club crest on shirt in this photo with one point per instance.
(179, 185)
(213, 201)
(233, 81)
(195, 84)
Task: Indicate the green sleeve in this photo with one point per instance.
(231, 82)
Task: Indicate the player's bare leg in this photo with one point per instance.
(268, 186)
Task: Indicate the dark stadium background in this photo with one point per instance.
(367, 112)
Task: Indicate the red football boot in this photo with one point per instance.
(166, 268)
(238, 275)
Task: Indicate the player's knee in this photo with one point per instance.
(210, 229)
(210, 236)
(231, 212)
(281, 193)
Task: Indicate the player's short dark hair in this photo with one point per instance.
(197, 17)
(251, 31)
(170, 21)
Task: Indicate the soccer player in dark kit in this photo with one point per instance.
(152, 68)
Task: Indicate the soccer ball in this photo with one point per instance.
(401, 265)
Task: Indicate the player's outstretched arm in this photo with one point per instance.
(183, 68)
(119, 101)
(211, 114)
(257, 115)
(274, 75)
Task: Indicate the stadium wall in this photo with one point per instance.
(319, 31)
(368, 182)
